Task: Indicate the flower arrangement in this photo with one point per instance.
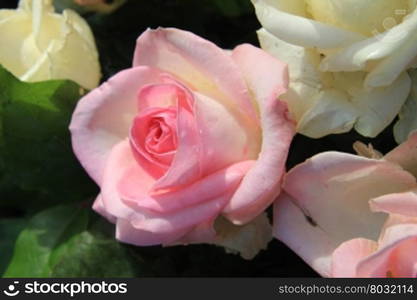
(277, 136)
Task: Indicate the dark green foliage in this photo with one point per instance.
(67, 241)
(38, 167)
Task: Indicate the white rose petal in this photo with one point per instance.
(379, 106)
(332, 113)
(407, 122)
(305, 80)
(347, 61)
(43, 45)
(395, 50)
(362, 16)
(301, 31)
(247, 240)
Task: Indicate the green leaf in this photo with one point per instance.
(35, 144)
(9, 230)
(60, 242)
(92, 254)
(45, 231)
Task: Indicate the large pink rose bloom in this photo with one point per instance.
(190, 133)
(352, 216)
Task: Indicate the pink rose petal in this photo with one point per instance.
(396, 256)
(197, 62)
(405, 154)
(346, 257)
(262, 183)
(206, 189)
(311, 242)
(401, 203)
(125, 232)
(93, 132)
(333, 190)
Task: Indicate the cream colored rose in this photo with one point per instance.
(39, 44)
(347, 60)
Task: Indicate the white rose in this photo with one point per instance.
(39, 44)
(347, 60)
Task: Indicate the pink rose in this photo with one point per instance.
(351, 216)
(190, 133)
